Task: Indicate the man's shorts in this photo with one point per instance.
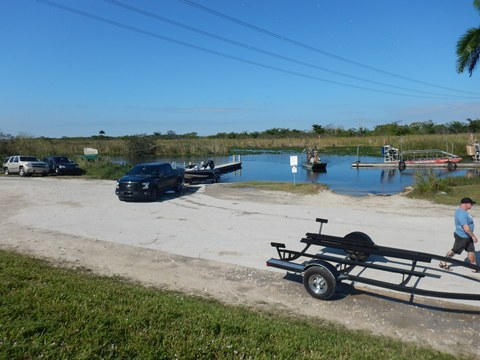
(462, 243)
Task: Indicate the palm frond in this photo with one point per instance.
(468, 50)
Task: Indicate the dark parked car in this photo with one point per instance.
(148, 181)
(62, 165)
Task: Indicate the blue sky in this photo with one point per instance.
(207, 66)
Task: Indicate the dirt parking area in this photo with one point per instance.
(214, 240)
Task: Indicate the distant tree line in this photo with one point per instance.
(141, 141)
(390, 129)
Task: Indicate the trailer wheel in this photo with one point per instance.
(319, 282)
(451, 166)
(363, 239)
(402, 165)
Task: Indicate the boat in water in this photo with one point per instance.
(313, 162)
(392, 157)
(420, 158)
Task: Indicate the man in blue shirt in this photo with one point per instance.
(464, 236)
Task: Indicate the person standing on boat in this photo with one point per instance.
(465, 239)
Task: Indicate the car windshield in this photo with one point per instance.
(143, 170)
(63, 159)
(28, 158)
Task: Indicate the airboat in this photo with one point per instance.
(392, 157)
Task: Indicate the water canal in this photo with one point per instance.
(340, 177)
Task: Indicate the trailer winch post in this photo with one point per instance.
(321, 221)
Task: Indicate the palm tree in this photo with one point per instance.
(468, 47)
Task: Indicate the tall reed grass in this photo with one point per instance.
(206, 146)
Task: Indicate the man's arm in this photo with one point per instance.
(470, 233)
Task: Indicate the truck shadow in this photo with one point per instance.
(186, 190)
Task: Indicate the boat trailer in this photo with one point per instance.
(322, 272)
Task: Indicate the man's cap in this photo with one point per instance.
(467, 200)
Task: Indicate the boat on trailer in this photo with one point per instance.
(205, 172)
(208, 171)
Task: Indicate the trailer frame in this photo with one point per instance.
(321, 272)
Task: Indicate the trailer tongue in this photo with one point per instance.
(324, 269)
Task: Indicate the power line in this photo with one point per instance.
(311, 48)
(253, 48)
(200, 48)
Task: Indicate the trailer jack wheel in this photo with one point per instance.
(319, 282)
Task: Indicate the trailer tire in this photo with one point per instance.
(402, 165)
(319, 282)
(361, 238)
(451, 166)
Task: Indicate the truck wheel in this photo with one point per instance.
(6, 172)
(178, 186)
(154, 194)
(319, 282)
(21, 171)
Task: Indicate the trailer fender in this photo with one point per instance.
(324, 264)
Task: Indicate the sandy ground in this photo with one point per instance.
(214, 240)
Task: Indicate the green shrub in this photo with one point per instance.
(103, 169)
(428, 183)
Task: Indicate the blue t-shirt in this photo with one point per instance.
(462, 217)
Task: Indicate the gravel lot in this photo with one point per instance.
(213, 241)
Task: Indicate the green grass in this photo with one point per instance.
(56, 313)
(446, 191)
(300, 189)
(426, 186)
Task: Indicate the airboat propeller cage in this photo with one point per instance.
(321, 272)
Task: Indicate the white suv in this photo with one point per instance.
(25, 165)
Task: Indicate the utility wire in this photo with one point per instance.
(196, 47)
(253, 48)
(311, 48)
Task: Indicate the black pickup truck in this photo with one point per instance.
(148, 181)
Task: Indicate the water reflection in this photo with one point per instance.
(340, 177)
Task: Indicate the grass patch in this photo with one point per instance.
(54, 313)
(301, 189)
(446, 191)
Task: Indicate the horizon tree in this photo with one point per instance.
(468, 47)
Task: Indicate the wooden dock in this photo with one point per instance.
(229, 167)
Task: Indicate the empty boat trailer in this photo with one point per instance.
(346, 258)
